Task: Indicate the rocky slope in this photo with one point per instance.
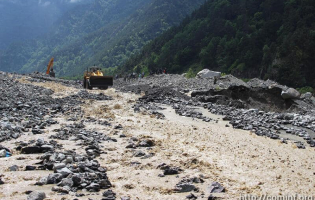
(150, 139)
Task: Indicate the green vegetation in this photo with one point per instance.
(193, 70)
(103, 33)
(273, 39)
(245, 79)
(306, 89)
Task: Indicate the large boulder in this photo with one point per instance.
(206, 73)
(290, 94)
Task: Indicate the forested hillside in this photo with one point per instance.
(272, 39)
(104, 33)
(21, 20)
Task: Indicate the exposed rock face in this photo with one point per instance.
(206, 73)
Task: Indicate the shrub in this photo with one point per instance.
(306, 89)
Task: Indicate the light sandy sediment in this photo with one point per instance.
(239, 160)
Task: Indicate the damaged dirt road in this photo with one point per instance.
(166, 158)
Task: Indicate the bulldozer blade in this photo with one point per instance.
(101, 81)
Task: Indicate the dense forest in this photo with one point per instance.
(270, 39)
(104, 33)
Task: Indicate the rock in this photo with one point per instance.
(216, 188)
(46, 148)
(131, 146)
(206, 73)
(37, 131)
(59, 166)
(30, 168)
(54, 178)
(211, 197)
(42, 181)
(14, 168)
(119, 126)
(138, 153)
(191, 196)
(185, 187)
(109, 195)
(171, 171)
(146, 143)
(64, 171)
(105, 184)
(63, 190)
(65, 182)
(93, 187)
(36, 196)
(61, 157)
(31, 150)
(76, 180)
(68, 160)
(290, 94)
(3, 153)
(306, 96)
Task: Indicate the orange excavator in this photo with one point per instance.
(50, 70)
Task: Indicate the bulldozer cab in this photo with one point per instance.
(94, 77)
(96, 71)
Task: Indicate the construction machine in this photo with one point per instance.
(93, 77)
(50, 70)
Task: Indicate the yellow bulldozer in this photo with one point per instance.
(93, 77)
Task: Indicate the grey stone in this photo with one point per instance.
(14, 168)
(30, 168)
(206, 73)
(3, 152)
(64, 171)
(31, 150)
(138, 153)
(146, 143)
(93, 187)
(76, 180)
(45, 148)
(54, 178)
(65, 182)
(215, 187)
(42, 181)
(308, 95)
(290, 93)
(59, 166)
(185, 187)
(109, 195)
(36, 196)
(61, 157)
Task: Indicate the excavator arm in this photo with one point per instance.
(50, 65)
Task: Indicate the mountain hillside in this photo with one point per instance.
(105, 33)
(272, 39)
(22, 20)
